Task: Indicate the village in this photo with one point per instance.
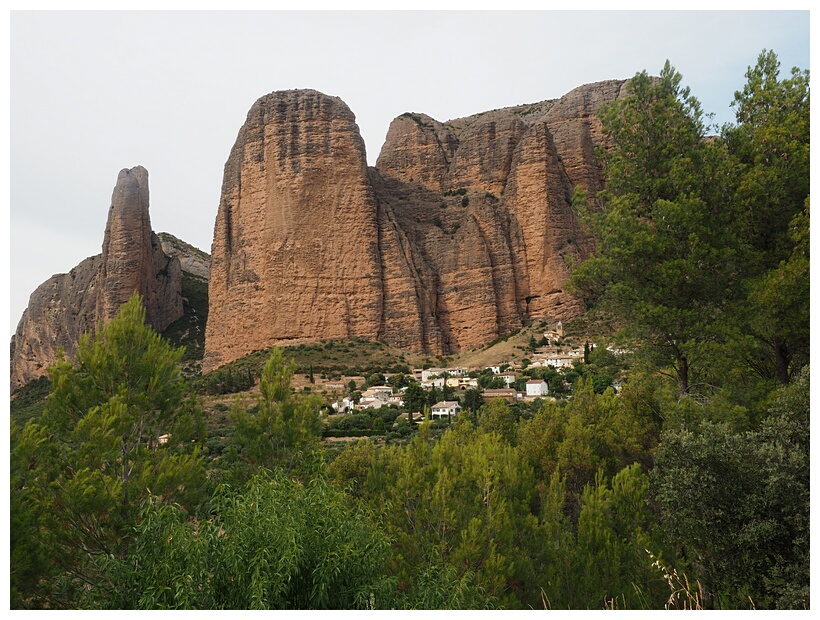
(545, 373)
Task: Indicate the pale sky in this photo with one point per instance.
(94, 92)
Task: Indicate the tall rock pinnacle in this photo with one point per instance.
(132, 257)
(67, 306)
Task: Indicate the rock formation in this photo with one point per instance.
(193, 261)
(67, 306)
(296, 243)
(462, 231)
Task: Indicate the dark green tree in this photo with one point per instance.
(415, 397)
(737, 504)
(662, 261)
(769, 149)
(472, 399)
(118, 428)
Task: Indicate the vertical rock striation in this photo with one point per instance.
(296, 243)
(132, 257)
(462, 231)
(67, 306)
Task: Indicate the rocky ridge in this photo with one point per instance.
(461, 232)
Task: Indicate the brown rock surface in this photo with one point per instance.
(576, 130)
(461, 233)
(295, 253)
(59, 311)
(67, 306)
(132, 257)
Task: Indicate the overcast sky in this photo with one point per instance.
(92, 93)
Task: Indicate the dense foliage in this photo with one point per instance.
(686, 488)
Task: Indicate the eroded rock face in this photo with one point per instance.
(192, 260)
(296, 242)
(67, 306)
(461, 232)
(132, 257)
(59, 311)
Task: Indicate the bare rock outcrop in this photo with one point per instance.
(462, 231)
(295, 253)
(67, 306)
(193, 261)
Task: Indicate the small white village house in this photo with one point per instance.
(445, 409)
(508, 377)
(437, 382)
(537, 387)
(431, 373)
(559, 361)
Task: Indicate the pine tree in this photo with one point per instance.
(118, 427)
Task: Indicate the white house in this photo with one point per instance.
(508, 377)
(445, 409)
(380, 392)
(495, 369)
(559, 361)
(433, 383)
(370, 402)
(431, 373)
(537, 387)
(343, 405)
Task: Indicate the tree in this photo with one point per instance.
(415, 397)
(283, 429)
(274, 544)
(592, 432)
(497, 417)
(399, 380)
(615, 530)
(769, 150)
(737, 504)
(662, 261)
(472, 399)
(117, 428)
(777, 310)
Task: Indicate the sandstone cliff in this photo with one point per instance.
(460, 233)
(67, 306)
(296, 245)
